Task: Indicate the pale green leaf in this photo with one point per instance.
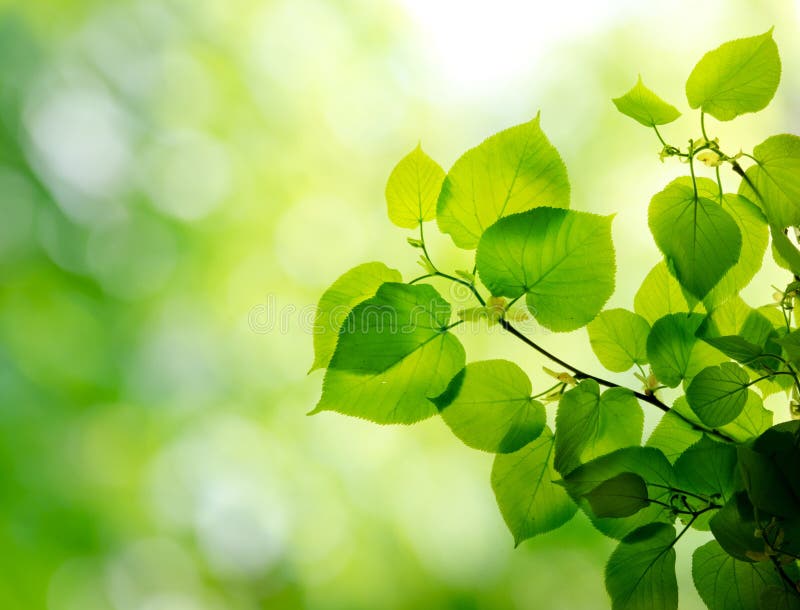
(670, 345)
(349, 290)
(673, 435)
(619, 339)
(488, 406)
(640, 574)
(659, 295)
(700, 240)
(725, 583)
(512, 171)
(394, 354)
(590, 424)
(739, 76)
(776, 177)
(561, 260)
(644, 106)
(413, 189)
(523, 483)
(784, 251)
(718, 393)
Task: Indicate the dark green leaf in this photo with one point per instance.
(393, 355)
(737, 77)
(349, 290)
(724, 583)
(561, 260)
(640, 574)
(530, 502)
(589, 424)
(620, 496)
(515, 170)
(779, 597)
(708, 468)
(488, 406)
(735, 529)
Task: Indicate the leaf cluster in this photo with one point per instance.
(703, 356)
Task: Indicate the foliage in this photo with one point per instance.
(715, 462)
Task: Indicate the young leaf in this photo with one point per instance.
(530, 502)
(561, 260)
(646, 107)
(700, 240)
(648, 463)
(659, 295)
(515, 170)
(669, 346)
(413, 189)
(776, 177)
(708, 467)
(640, 574)
(488, 406)
(589, 424)
(725, 583)
(738, 77)
(784, 251)
(718, 393)
(619, 339)
(620, 496)
(394, 353)
(349, 290)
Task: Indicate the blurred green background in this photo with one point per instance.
(179, 182)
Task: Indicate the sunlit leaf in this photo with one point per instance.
(530, 502)
(488, 406)
(413, 189)
(776, 177)
(708, 468)
(512, 171)
(669, 346)
(644, 106)
(739, 76)
(619, 339)
(660, 294)
(562, 262)
(718, 393)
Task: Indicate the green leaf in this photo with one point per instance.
(648, 463)
(784, 251)
(700, 240)
(739, 76)
(394, 354)
(669, 346)
(589, 424)
(530, 502)
(646, 107)
(659, 295)
(776, 177)
(781, 443)
(741, 333)
(673, 435)
(413, 189)
(725, 583)
(620, 496)
(791, 346)
(640, 574)
(752, 421)
(707, 468)
(561, 260)
(718, 393)
(767, 488)
(619, 339)
(488, 406)
(734, 527)
(349, 290)
(753, 228)
(512, 171)
(779, 597)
